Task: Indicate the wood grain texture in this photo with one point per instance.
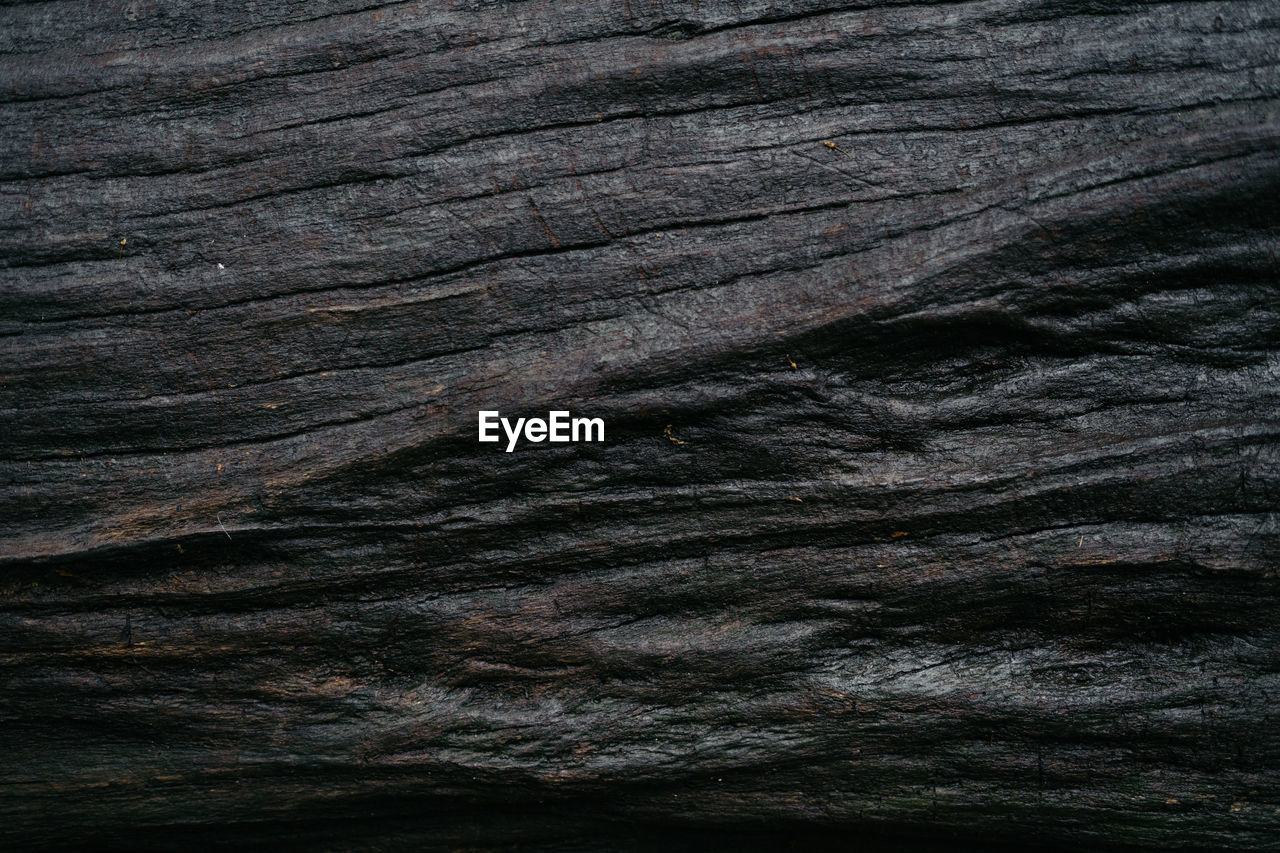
(941, 476)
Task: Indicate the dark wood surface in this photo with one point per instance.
(937, 348)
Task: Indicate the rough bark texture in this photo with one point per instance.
(940, 484)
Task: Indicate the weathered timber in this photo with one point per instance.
(937, 348)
